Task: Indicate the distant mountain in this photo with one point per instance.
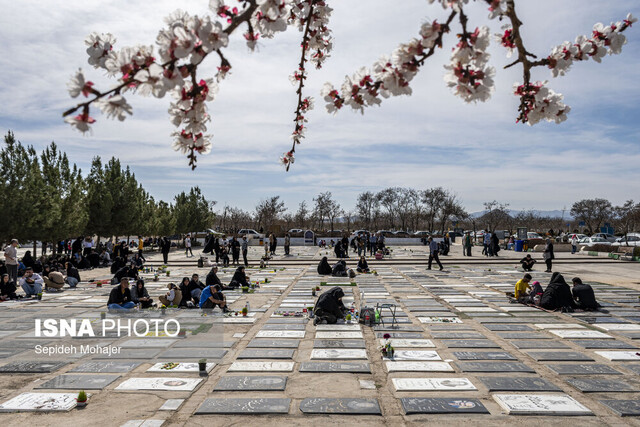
(512, 212)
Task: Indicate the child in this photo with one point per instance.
(522, 286)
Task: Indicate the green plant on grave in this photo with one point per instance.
(202, 361)
(82, 396)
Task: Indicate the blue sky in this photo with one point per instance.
(429, 139)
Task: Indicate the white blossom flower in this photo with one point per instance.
(81, 122)
(115, 107)
(99, 48)
(77, 85)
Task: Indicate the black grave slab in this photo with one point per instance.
(557, 356)
(624, 408)
(596, 385)
(408, 335)
(493, 367)
(405, 328)
(325, 343)
(327, 367)
(28, 367)
(193, 353)
(251, 383)
(523, 335)
(79, 382)
(273, 343)
(283, 327)
(635, 368)
(244, 406)
(604, 344)
(106, 367)
(442, 405)
(582, 369)
(483, 355)
(537, 344)
(266, 353)
(470, 344)
(511, 383)
(458, 335)
(340, 406)
(131, 353)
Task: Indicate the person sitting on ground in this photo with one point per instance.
(195, 288)
(120, 296)
(73, 277)
(7, 288)
(239, 279)
(54, 281)
(324, 269)
(105, 258)
(212, 298)
(339, 269)
(27, 259)
(363, 267)
(117, 264)
(557, 295)
(31, 283)
(527, 262)
(173, 297)
(536, 289)
(93, 258)
(139, 295)
(338, 250)
(212, 277)
(138, 260)
(186, 300)
(583, 295)
(83, 263)
(521, 288)
(329, 307)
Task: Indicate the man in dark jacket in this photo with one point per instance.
(329, 307)
(120, 296)
(557, 295)
(527, 263)
(212, 278)
(584, 296)
(548, 255)
(339, 269)
(195, 288)
(165, 247)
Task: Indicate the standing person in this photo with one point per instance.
(141, 248)
(548, 255)
(244, 245)
(187, 246)
(495, 244)
(433, 253)
(235, 250)
(574, 244)
(120, 296)
(345, 246)
(372, 244)
(273, 241)
(165, 247)
(31, 283)
(87, 245)
(486, 244)
(216, 247)
(287, 243)
(11, 260)
(467, 244)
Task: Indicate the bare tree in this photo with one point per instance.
(495, 214)
(627, 216)
(367, 207)
(268, 211)
(333, 211)
(323, 205)
(433, 199)
(452, 209)
(302, 215)
(593, 212)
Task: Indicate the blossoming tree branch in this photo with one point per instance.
(188, 40)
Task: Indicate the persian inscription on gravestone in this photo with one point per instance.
(517, 384)
(326, 367)
(106, 367)
(244, 406)
(321, 405)
(582, 369)
(267, 353)
(595, 385)
(79, 382)
(442, 405)
(251, 383)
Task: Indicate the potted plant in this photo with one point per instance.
(245, 311)
(168, 273)
(81, 399)
(348, 318)
(245, 289)
(310, 311)
(202, 366)
(318, 287)
(103, 315)
(163, 309)
(39, 295)
(313, 292)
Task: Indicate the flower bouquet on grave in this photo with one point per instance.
(310, 312)
(202, 366)
(103, 315)
(163, 309)
(169, 366)
(245, 311)
(81, 400)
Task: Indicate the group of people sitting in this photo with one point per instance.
(340, 269)
(51, 278)
(557, 295)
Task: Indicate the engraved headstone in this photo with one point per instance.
(32, 367)
(79, 382)
(554, 356)
(326, 367)
(338, 353)
(244, 406)
(40, 402)
(524, 344)
(332, 335)
(106, 367)
(192, 353)
(624, 408)
(350, 406)
(418, 366)
(619, 355)
(582, 369)
(540, 404)
(517, 384)
(181, 367)
(280, 334)
(493, 367)
(266, 353)
(261, 367)
(596, 385)
(251, 383)
(568, 333)
(604, 344)
(432, 384)
(160, 384)
(273, 343)
(409, 343)
(483, 355)
(339, 344)
(415, 355)
(442, 405)
(470, 344)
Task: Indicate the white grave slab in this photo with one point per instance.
(179, 367)
(618, 326)
(238, 335)
(409, 343)
(338, 335)
(433, 384)
(147, 342)
(345, 327)
(568, 333)
(171, 405)
(261, 367)
(619, 355)
(558, 326)
(475, 309)
(540, 404)
(280, 334)
(30, 402)
(339, 353)
(239, 319)
(415, 355)
(418, 367)
(439, 320)
(143, 423)
(160, 384)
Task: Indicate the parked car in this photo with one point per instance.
(250, 233)
(385, 233)
(606, 236)
(296, 231)
(401, 234)
(421, 234)
(480, 234)
(359, 232)
(578, 235)
(588, 241)
(631, 239)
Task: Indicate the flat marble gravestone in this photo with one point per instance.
(594, 385)
(40, 402)
(261, 367)
(418, 367)
(244, 406)
(624, 408)
(540, 404)
(33, 367)
(132, 353)
(433, 384)
(524, 344)
(552, 356)
(338, 353)
(603, 344)
(266, 353)
(327, 367)
(494, 367)
(517, 384)
(339, 344)
(106, 367)
(147, 342)
(415, 355)
(347, 327)
(619, 355)
(339, 335)
(633, 368)
(193, 353)
(483, 355)
(470, 344)
(582, 369)
(401, 335)
(347, 406)
(564, 333)
(282, 334)
(180, 367)
(507, 327)
(442, 405)
(160, 384)
(409, 343)
(273, 343)
(79, 382)
(171, 405)
(251, 383)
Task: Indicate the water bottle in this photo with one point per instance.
(248, 306)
